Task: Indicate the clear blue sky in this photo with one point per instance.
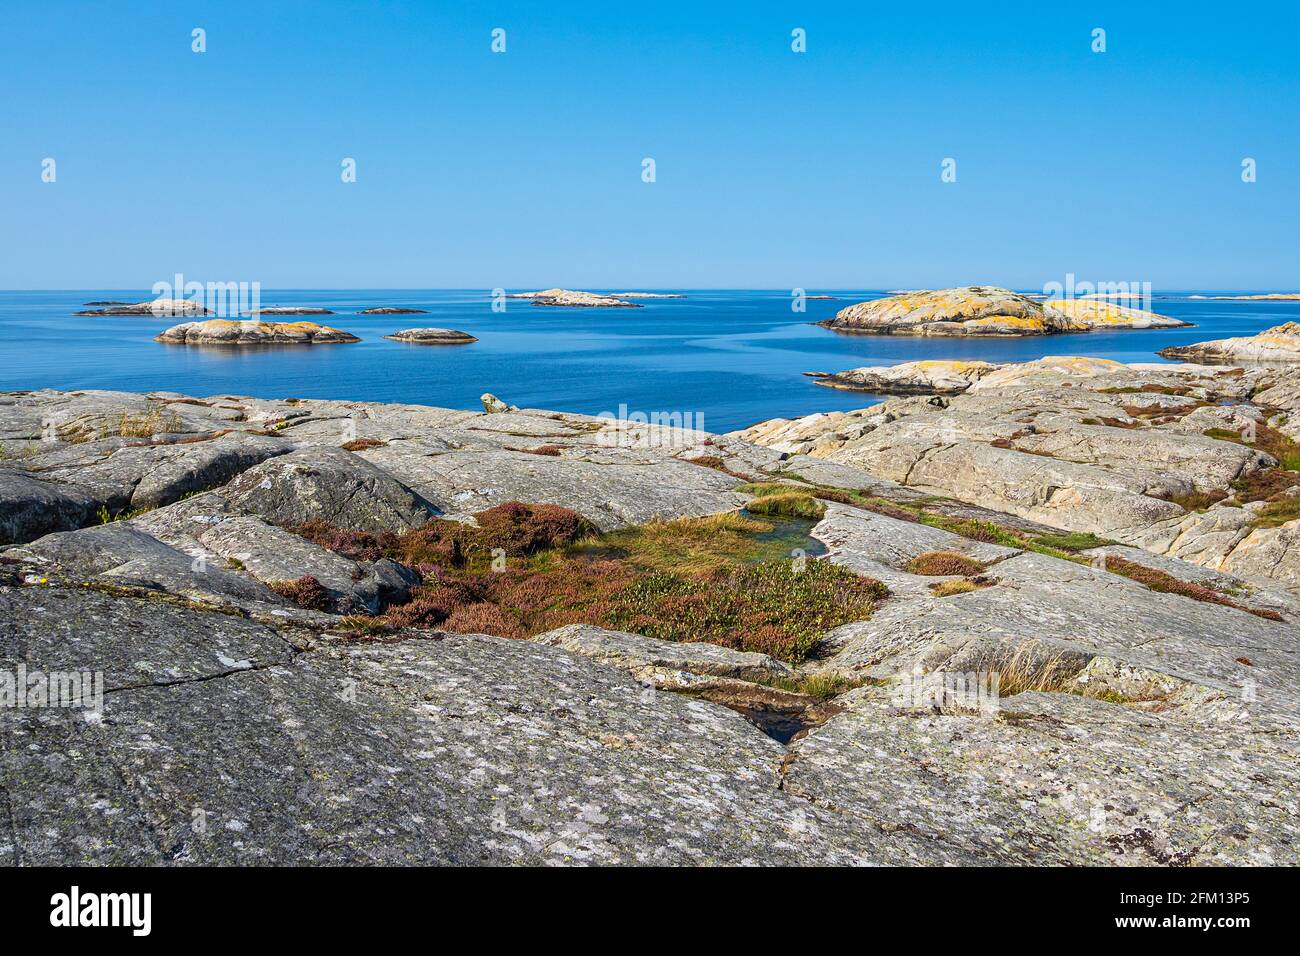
(523, 169)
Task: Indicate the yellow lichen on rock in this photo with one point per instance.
(972, 310)
(1098, 314)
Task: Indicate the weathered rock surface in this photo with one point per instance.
(973, 310)
(572, 299)
(331, 484)
(634, 652)
(1096, 314)
(253, 332)
(292, 310)
(119, 554)
(608, 490)
(153, 307)
(432, 336)
(910, 378)
(1132, 726)
(126, 476)
(652, 295)
(1088, 445)
(450, 750)
(1278, 344)
(30, 507)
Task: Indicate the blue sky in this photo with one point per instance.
(523, 169)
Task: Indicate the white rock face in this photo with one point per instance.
(1279, 344)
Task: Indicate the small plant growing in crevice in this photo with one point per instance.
(306, 592)
(361, 444)
(937, 563)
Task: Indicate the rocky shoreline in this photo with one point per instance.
(266, 580)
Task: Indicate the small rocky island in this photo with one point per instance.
(1260, 297)
(570, 299)
(432, 337)
(932, 377)
(392, 310)
(153, 307)
(253, 332)
(353, 632)
(1278, 344)
(291, 310)
(986, 310)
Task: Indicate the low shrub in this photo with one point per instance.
(306, 592)
(949, 588)
(937, 563)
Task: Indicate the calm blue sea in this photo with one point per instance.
(734, 357)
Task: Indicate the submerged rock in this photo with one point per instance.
(432, 337)
(1278, 344)
(972, 310)
(252, 332)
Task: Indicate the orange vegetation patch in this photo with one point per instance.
(1158, 580)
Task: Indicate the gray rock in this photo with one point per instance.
(457, 750)
(632, 652)
(610, 494)
(332, 484)
(30, 507)
(121, 555)
(126, 477)
(1061, 779)
(432, 336)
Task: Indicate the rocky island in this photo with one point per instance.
(392, 310)
(986, 310)
(1278, 344)
(253, 332)
(291, 310)
(432, 337)
(1105, 315)
(571, 299)
(931, 377)
(353, 632)
(152, 307)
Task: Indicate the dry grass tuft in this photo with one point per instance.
(944, 563)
